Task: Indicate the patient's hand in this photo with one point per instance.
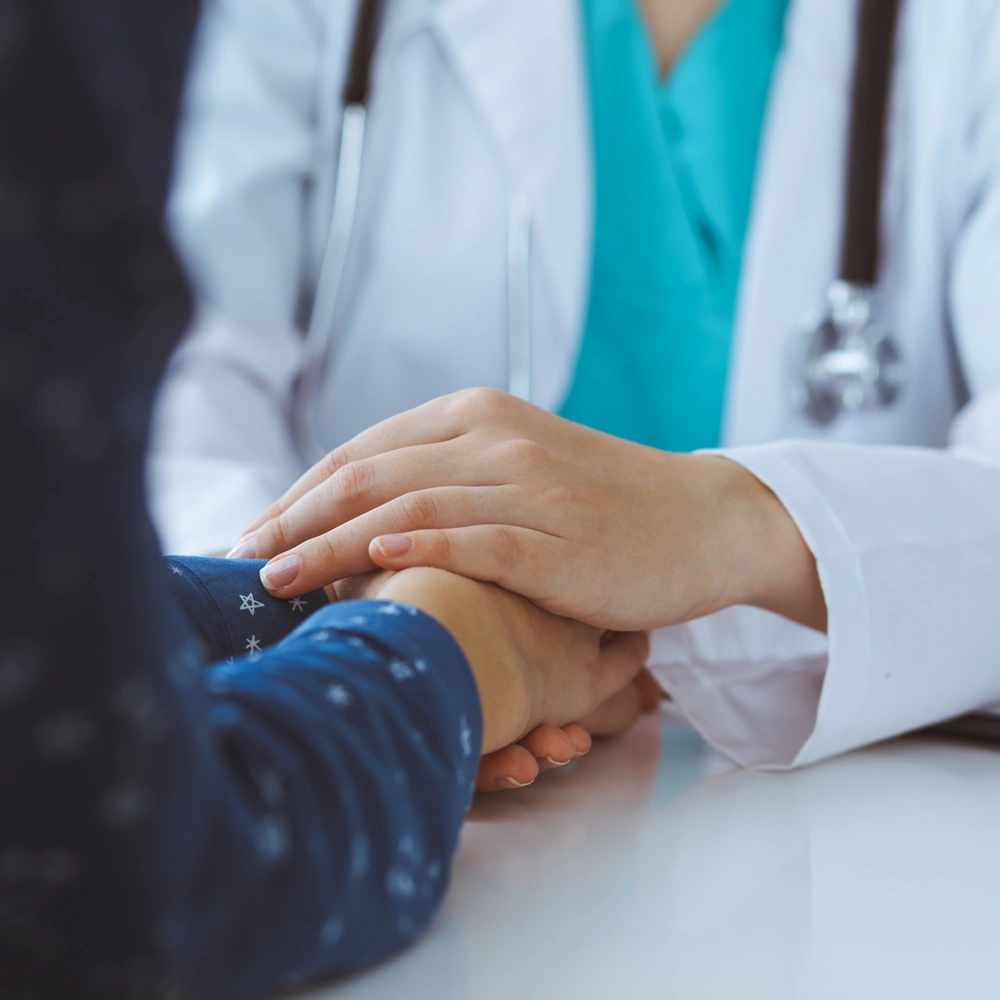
(549, 747)
(546, 684)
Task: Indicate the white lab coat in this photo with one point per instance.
(479, 104)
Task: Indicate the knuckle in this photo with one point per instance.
(520, 454)
(483, 404)
(324, 551)
(274, 536)
(333, 461)
(557, 492)
(463, 403)
(508, 548)
(418, 510)
(441, 546)
(356, 479)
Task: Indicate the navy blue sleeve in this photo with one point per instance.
(350, 750)
(229, 610)
(168, 830)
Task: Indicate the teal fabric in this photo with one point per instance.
(674, 171)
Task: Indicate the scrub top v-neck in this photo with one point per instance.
(674, 166)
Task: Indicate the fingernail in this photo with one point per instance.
(503, 783)
(393, 546)
(557, 763)
(245, 548)
(280, 572)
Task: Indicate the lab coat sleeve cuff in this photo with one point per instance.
(775, 702)
(849, 656)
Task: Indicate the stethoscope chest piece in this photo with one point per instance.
(851, 361)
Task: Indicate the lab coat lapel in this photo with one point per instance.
(523, 66)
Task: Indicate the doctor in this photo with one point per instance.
(859, 489)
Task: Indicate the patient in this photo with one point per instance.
(221, 831)
(167, 828)
(233, 616)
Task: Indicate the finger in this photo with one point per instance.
(506, 769)
(410, 480)
(523, 560)
(550, 746)
(580, 738)
(650, 691)
(616, 714)
(620, 660)
(433, 422)
(353, 489)
(512, 556)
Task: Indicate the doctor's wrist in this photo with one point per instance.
(770, 565)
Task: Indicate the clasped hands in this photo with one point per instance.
(585, 541)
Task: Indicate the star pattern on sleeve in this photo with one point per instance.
(339, 695)
(249, 603)
(297, 604)
(400, 670)
(253, 645)
(176, 571)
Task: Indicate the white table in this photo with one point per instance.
(654, 870)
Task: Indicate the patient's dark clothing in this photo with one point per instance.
(169, 829)
(228, 610)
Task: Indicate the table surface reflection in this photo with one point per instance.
(653, 869)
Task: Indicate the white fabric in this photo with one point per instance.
(479, 102)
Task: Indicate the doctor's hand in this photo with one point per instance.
(588, 526)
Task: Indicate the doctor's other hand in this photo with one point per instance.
(546, 684)
(588, 526)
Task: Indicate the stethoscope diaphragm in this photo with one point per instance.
(849, 361)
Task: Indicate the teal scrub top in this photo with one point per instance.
(674, 165)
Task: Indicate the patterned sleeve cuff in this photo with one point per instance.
(226, 603)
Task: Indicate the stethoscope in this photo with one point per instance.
(357, 88)
(848, 360)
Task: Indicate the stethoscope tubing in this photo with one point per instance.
(877, 28)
